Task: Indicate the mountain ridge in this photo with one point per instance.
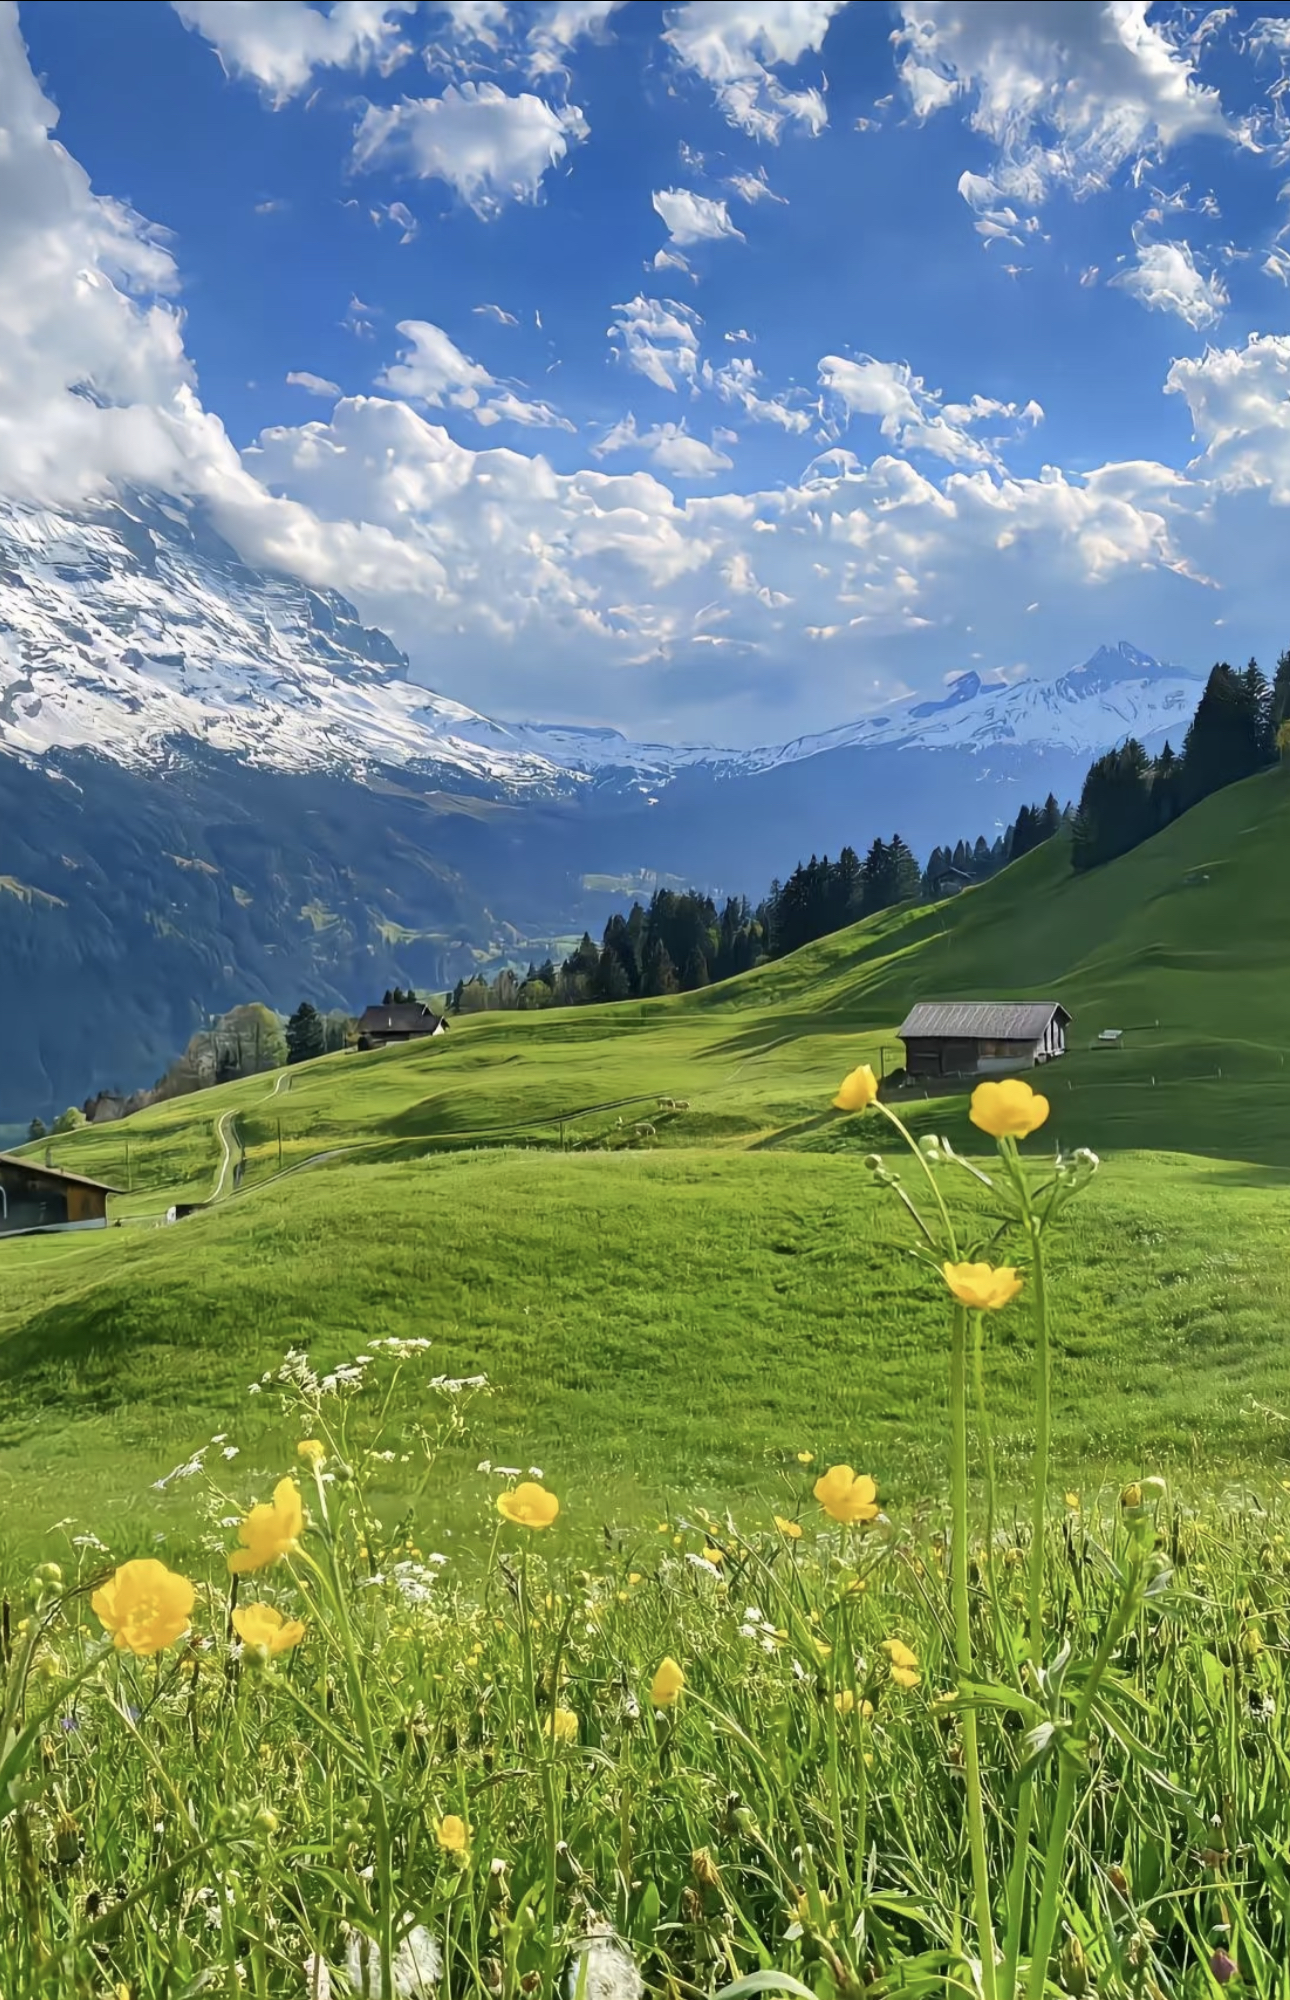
(139, 625)
(220, 784)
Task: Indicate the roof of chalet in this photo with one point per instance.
(40, 1171)
(981, 1020)
(403, 1019)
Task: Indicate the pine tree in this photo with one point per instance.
(611, 981)
(1281, 693)
(1115, 810)
(306, 1035)
(659, 974)
(695, 973)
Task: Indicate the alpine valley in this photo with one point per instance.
(217, 785)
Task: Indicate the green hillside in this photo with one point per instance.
(715, 1292)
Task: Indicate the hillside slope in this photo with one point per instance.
(1184, 945)
(736, 1273)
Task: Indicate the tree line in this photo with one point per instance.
(681, 941)
(1241, 724)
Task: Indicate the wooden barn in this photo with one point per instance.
(983, 1037)
(402, 1021)
(36, 1197)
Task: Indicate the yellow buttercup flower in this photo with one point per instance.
(857, 1091)
(791, 1530)
(528, 1505)
(145, 1606)
(666, 1684)
(271, 1530)
(452, 1833)
(1008, 1110)
(563, 1725)
(984, 1287)
(312, 1449)
(806, 1458)
(846, 1704)
(904, 1664)
(846, 1495)
(261, 1625)
(714, 1556)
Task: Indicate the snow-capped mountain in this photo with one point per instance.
(1118, 692)
(138, 627)
(218, 784)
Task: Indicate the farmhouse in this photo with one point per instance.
(982, 1037)
(951, 882)
(33, 1197)
(403, 1021)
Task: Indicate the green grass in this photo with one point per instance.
(692, 1305)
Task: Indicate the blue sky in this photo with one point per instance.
(830, 349)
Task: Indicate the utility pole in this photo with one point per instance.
(128, 1182)
(279, 1145)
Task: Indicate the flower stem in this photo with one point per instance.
(963, 1646)
(1055, 1856)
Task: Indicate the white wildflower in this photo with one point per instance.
(603, 1968)
(253, 1389)
(89, 1542)
(414, 1582)
(231, 1450)
(456, 1385)
(417, 1968)
(188, 1470)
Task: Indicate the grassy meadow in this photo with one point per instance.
(690, 1303)
(828, 1737)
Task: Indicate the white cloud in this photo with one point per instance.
(433, 369)
(1165, 278)
(400, 216)
(915, 417)
(736, 383)
(659, 338)
(732, 45)
(475, 20)
(694, 218)
(498, 313)
(529, 586)
(280, 43)
(1239, 399)
(560, 27)
(314, 385)
(1068, 91)
(491, 147)
(671, 447)
(754, 188)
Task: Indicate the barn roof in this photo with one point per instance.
(402, 1018)
(981, 1020)
(40, 1171)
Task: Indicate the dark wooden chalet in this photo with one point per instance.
(404, 1021)
(36, 1197)
(983, 1037)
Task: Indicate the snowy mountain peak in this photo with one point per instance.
(963, 687)
(137, 628)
